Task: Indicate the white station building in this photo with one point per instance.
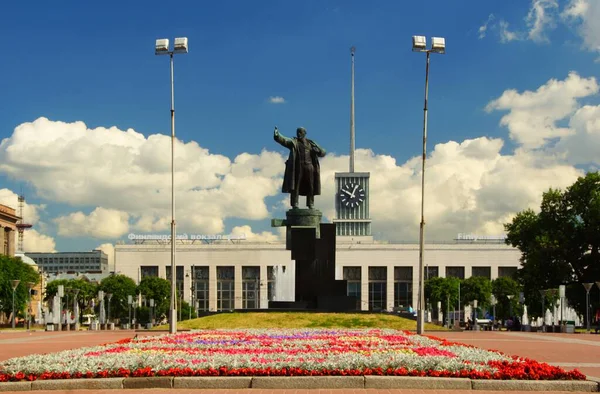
(216, 273)
(219, 276)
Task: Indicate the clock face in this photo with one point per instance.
(352, 195)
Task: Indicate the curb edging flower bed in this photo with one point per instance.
(303, 382)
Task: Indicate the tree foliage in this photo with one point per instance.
(87, 292)
(120, 286)
(159, 290)
(501, 289)
(561, 243)
(476, 288)
(12, 268)
(443, 290)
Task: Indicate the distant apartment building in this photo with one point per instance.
(63, 262)
(8, 230)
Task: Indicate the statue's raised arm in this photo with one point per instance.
(282, 140)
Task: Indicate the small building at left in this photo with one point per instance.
(8, 230)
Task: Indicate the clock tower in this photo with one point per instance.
(352, 219)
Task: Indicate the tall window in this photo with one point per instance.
(507, 271)
(352, 276)
(486, 272)
(455, 272)
(178, 279)
(270, 283)
(200, 287)
(225, 288)
(250, 287)
(403, 279)
(377, 288)
(149, 270)
(431, 272)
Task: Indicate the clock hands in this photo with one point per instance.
(354, 191)
(348, 193)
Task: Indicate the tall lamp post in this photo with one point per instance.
(438, 45)
(588, 287)
(162, 48)
(15, 284)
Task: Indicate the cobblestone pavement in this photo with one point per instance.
(570, 351)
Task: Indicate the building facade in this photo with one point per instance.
(8, 230)
(225, 276)
(64, 262)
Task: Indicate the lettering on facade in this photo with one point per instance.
(476, 237)
(184, 236)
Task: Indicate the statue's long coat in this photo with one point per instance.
(292, 165)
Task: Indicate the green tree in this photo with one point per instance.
(159, 290)
(501, 289)
(561, 243)
(87, 292)
(12, 268)
(476, 288)
(443, 290)
(120, 286)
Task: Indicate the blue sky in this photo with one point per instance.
(94, 63)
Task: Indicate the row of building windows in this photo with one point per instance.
(377, 284)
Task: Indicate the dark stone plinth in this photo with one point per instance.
(298, 218)
(312, 244)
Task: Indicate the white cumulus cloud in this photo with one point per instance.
(100, 223)
(276, 100)
(125, 172)
(471, 185)
(109, 249)
(584, 15)
(533, 116)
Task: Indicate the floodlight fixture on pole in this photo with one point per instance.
(15, 284)
(162, 48)
(588, 287)
(438, 45)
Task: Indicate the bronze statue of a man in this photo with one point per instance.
(302, 172)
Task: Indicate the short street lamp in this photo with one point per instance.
(15, 284)
(438, 45)
(543, 294)
(493, 302)
(162, 48)
(28, 318)
(588, 287)
(75, 308)
(151, 307)
(109, 296)
(510, 297)
(475, 317)
(129, 302)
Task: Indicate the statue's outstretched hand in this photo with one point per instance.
(276, 131)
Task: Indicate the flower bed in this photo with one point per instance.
(306, 352)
